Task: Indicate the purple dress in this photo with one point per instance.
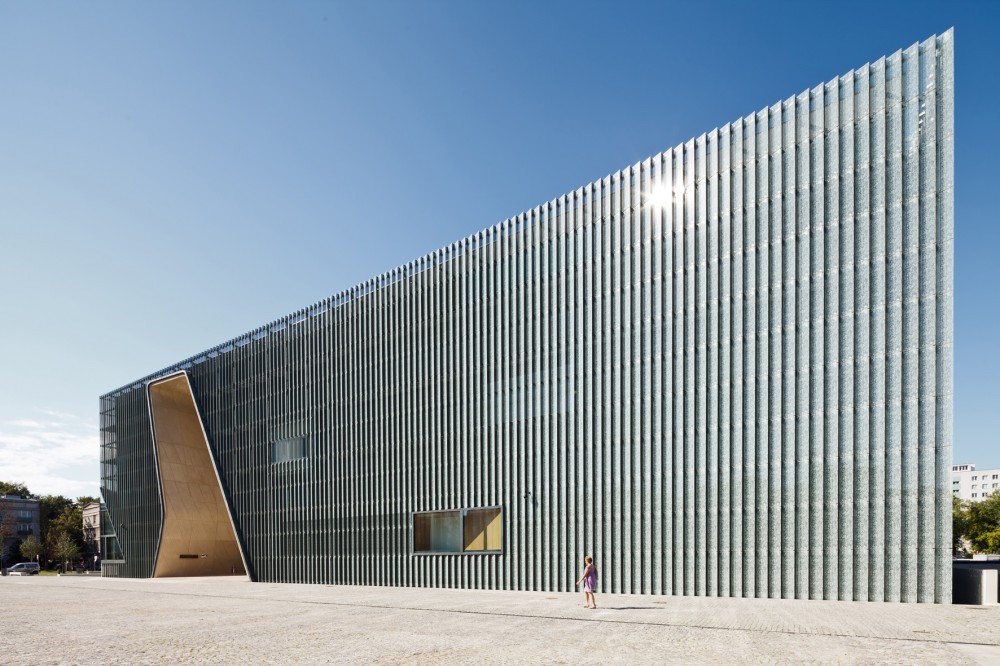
(590, 578)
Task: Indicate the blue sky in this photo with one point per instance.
(174, 174)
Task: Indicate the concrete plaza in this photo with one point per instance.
(81, 619)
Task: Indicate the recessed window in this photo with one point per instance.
(111, 550)
(460, 531)
(284, 450)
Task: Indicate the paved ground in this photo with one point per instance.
(96, 621)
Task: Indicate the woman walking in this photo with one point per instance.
(589, 582)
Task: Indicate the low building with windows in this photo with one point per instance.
(20, 517)
(968, 483)
(723, 370)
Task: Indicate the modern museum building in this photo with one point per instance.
(724, 370)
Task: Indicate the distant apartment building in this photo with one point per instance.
(969, 483)
(19, 519)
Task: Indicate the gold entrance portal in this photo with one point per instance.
(197, 538)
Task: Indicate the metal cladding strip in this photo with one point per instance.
(893, 305)
(862, 331)
(699, 356)
(676, 250)
(626, 363)
(564, 400)
(579, 432)
(847, 363)
(813, 139)
(827, 315)
(654, 386)
(710, 224)
(723, 265)
(750, 319)
(555, 346)
(664, 356)
(784, 188)
(535, 565)
(547, 386)
(804, 455)
(765, 574)
(923, 113)
(520, 379)
(627, 407)
(914, 424)
(688, 492)
(942, 55)
(732, 189)
(744, 391)
(592, 364)
(877, 399)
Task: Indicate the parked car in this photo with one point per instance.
(24, 569)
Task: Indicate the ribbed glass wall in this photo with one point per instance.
(725, 370)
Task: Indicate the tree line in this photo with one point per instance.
(61, 538)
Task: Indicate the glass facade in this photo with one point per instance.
(724, 370)
(110, 548)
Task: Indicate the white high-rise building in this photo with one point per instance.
(969, 483)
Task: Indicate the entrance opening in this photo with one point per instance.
(198, 538)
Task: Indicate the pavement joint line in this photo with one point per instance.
(940, 641)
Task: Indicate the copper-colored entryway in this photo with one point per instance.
(198, 538)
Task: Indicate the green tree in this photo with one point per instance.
(66, 549)
(983, 528)
(32, 549)
(84, 500)
(68, 524)
(959, 524)
(52, 508)
(14, 488)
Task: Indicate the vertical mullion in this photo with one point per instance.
(737, 326)
(709, 335)
(943, 147)
(724, 297)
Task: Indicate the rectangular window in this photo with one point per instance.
(460, 531)
(481, 530)
(437, 532)
(284, 450)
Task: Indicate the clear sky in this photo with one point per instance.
(175, 174)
